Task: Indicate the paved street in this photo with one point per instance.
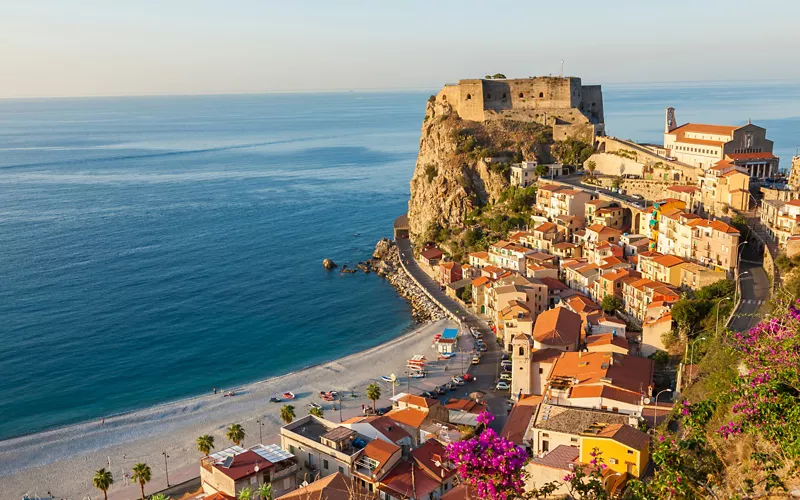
(755, 291)
(487, 372)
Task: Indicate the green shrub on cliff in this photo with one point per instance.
(571, 151)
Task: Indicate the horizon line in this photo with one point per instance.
(369, 89)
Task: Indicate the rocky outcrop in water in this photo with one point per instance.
(328, 264)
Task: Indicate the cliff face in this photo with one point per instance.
(463, 164)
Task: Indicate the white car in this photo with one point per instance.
(505, 376)
(502, 386)
(505, 362)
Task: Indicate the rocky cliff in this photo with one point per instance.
(464, 164)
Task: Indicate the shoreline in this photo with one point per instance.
(67, 456)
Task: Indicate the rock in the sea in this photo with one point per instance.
(328, 264)
(382, 248)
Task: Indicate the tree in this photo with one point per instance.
(160, 496)
(317, 412)
(688, 313)
(205, 444)
(141, 475)
(591, 166)
(245, 493)
(466, 293)
(103, 480)
(542, 170)
(617, 182)
(287, 413)
(611, 304)
(235, 434)
(373, 393)
(265, 491)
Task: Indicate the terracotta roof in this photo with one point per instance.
(380, 451)
(482, 280)
(601, 229)
(752, 156)
(573, 420)
(467, 405)
(432, 253)
(243, 465)
(411, 399)
(545, 227)
(605, 392)
(596, 202)
(447, 265)
(548, 354)
(409, 480)
(428, 455)
(701, 128)
(624, 434)
(560, 458)
(587, 368)
(607, 210)
(408, 416)
(606, 339)
(461, 492)
(615, 275)
(553, 284)
(333, 487)
(388, 428)
(517, 423)
(582, 303)
(558, 326)
(699, 142)
(565, 245)
(480, 255)
(668, 260)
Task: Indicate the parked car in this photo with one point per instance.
(505, 362)
(274, 400)
(502, 386)
(428, 394)
(505, 376)
(417, 374)
(483, 348)
(383, 411)
(457, 380)
(506, 356)
(467, 377)
(637, 197)
(507, 368)
(440, 390)
(316, 406)
(476, 359)
(451, 386)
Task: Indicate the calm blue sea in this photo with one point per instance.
(152, 248)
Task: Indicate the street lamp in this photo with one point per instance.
(739, 255)
(260, 426)
(166, 466)
(691, 351)
(737, 284)
(716, 330)
(657, 395)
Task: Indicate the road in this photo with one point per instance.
(485, 373)
(754, 288)
(575, 180)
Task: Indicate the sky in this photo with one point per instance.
(116, 47)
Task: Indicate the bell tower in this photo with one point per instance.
(521, 366)
(669, 123)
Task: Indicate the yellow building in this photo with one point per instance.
(667, 269)
(724, 186)
(621, 447)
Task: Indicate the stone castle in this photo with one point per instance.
(572, 109)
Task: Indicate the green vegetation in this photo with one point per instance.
(142, 475)
(591, 166)
(611, 304)
(373, 393)
(287, 414)
(694, 313)
(466, 293)
(617, 182)
(430, 171)
(542, 170)
(235, 434)
(317, 412)
(103, 480)
(625, 153)
(571, 152)
(496, 76)
(245, 493)
(265, 491)
(205, 444)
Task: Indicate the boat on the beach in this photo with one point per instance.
(386, 378)
(288, 395)
(329, 395)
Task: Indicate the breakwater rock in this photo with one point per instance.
(328, 264)
(423, 308)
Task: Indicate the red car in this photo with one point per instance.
(467, 377)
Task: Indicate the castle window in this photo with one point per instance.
(469, 96)
(504, 96)
(521, 351)
(521, 95)
(541, 94)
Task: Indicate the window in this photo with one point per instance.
(469, 96)
(541, 371)
(613, 461)
(573, 440)
(341, 470)
(291, 450)
(287, 482)
(630, 452)
(545, 446)
(541, 94)
(325, 464)
(521, 351)
(521, 95)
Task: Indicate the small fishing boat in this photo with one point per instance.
(288, 395)
(386, 378)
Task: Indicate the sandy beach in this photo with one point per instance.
(63, 460)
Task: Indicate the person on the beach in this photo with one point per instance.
(215, 390)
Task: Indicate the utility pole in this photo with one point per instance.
(166, 466)
(260, 425)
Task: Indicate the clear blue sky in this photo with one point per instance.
(110, 47)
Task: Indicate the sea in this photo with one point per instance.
(156, 248)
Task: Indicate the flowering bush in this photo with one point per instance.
(490, 463)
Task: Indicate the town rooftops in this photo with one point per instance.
(604, 230)
(581, 303)
(668, 260)
(432, 254)
(380, 451)
(558, 326)
(701, 128)
(545, 227)
(408, 416)
(431, 457)
(518, 422)
(333, 487)
(621, 433)
(241, 465)
(408, 480)
(715, 224)
(606, 339)
(631, 373)
(553, 284)
(683, 189)
(565, 245)
(573, 420)
(752, 156)
(412, 400)
(480, 255)
(382, 424)
(562, 457)
(480, 281)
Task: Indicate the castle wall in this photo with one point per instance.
(470, 102)
(592, 103)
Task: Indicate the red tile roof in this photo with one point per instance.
(408, 416)
(428, 455)
(752, 156)
(558, 326)
(624, 434)
(432, 253)
(701, 128)
(243, 465)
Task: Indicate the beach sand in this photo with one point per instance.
(64, 460)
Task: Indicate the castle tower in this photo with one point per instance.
(521, 366)
(669, 123)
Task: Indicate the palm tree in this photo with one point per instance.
(265, 491)
(103, 480)
(205, 444)
(245, 494)
(160, 496)
(317, 412)
(374, 393)
(235, 434)
(141, 474)
(287, 413)
(591, 166)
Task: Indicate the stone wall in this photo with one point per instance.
(779, 194)
(649, 189)
(646, 158)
